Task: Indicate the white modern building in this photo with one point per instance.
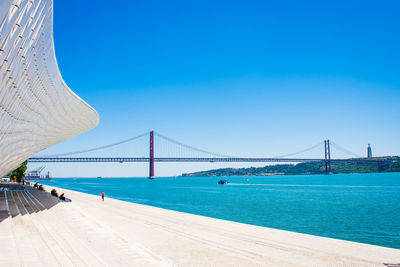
(37, 109)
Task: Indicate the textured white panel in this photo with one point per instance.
(37, 109)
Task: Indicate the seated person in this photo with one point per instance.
(54, 193)
(41, 187)
(36, 185)
(62, 197)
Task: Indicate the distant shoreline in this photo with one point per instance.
(217, 176)
(391, 164)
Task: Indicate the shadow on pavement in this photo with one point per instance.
(18, 199)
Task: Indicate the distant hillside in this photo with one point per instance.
(392, 165)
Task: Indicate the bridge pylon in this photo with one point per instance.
(151, 157)
(327, 157)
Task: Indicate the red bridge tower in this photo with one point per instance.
(327, 157)
(151, 158)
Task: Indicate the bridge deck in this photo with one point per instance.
(144, 159)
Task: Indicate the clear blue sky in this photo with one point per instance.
(249, 78)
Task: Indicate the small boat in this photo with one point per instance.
(223, 182)
(247, 179)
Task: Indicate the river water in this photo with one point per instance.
(357, 207)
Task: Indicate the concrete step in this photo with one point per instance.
(4, 213)
(26, 242)
(39, 206)
(71, 244)
(21, 207)
(12, 205)
(52, 252)
(25, 204)
(29, 203)
(61, 236)
(7, 238)
(103, 240)
(45, 198)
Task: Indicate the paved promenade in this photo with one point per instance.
(88, 232)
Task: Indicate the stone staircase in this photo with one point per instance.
(38, 229)
(32, 239)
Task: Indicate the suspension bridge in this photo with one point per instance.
(210, 156)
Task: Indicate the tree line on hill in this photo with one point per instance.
(391, 164)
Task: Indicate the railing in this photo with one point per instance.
(146, 159)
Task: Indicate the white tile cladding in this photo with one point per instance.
(37, 109)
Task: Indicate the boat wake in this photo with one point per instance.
(316, 185)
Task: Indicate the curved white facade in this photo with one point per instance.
(37, 109)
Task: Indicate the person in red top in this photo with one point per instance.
(102, 195)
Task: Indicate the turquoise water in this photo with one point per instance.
(357, 207)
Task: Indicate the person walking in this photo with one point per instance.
(102, 195)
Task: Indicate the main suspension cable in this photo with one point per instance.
(96, 148)
(191, 147)
(345, 150)
(301, 151)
